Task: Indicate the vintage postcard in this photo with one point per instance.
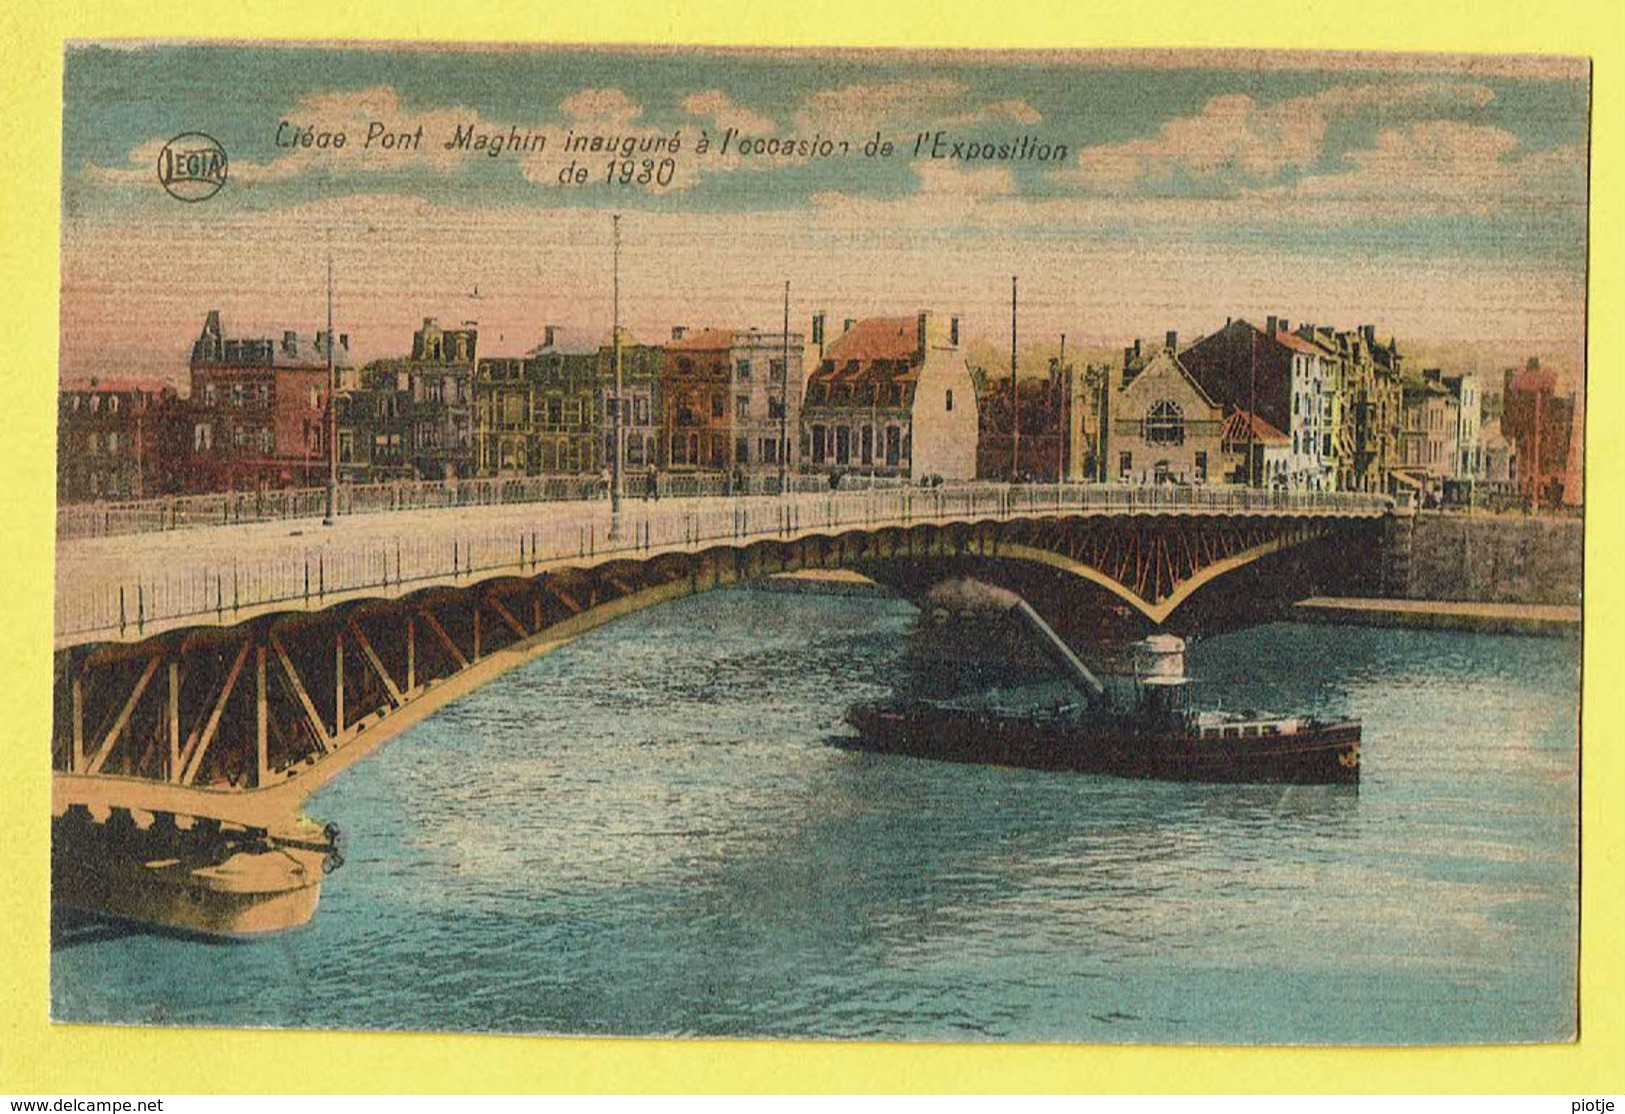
(852, 544)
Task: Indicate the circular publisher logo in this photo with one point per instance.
(192, 167)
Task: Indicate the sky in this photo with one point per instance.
(1442, 199)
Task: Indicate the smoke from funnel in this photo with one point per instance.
(965, 594)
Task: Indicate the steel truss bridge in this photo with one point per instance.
(228, 672)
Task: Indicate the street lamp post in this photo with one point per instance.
(332, 408)
(784, 402)
(615, 477)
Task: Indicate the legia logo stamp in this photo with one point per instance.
(192, 166)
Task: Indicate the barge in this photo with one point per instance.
(1160, 736)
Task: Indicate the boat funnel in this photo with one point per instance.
(1160, 660)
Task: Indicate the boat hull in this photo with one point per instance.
(1317, 754)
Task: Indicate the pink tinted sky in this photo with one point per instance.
(135, 297)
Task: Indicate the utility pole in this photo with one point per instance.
(1252, 408)
(784, 402)
(332, 405)
(1063, 443)
(615, 479)
(1534, 504)
(1015, 392)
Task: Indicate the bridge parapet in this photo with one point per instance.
(131, 588)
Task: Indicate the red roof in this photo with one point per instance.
(876, 348)
(877, 338)
(1296, 343)
(706, 340)
(1236, 429)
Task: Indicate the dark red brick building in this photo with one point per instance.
(1543, 428)
(118, 439)
(259, 409)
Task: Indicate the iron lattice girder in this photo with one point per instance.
(1153, 558)
(265, 700)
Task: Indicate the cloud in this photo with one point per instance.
(1236, 143)
(905, 106)
(610, 108)
(859, 109)
(1014, 111)
(1441, 168)
(724, 112)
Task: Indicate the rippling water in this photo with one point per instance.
(646, 833)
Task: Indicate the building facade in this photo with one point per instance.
(440, 377)
(1540, 423)
(729, 398)
(1428, 450)
(1282, 378)
(539, 414)
(1469, 422)
(259, 409)
(118, 439)
(642, 418)
(1162, 427)
(893, 396)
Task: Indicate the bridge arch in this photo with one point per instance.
(244, 722)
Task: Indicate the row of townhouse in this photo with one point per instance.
(891, 395)
(736, 402)
(1311, 408)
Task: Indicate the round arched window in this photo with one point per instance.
(1165, 423)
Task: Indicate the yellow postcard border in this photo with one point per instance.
(36, 1056)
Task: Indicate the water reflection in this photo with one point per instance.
(647, 833)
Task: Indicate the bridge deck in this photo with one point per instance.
(127, 588)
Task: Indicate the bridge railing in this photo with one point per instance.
(227, 508)
(211, 590)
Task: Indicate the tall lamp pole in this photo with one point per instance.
(332, 407)
(784, 402)
(1015, 392)
(615, 479)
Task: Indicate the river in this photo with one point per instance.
(647, 833)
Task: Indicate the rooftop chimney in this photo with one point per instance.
(548, 332)
(679, 332)
(850, 321)
(1270, 324)
(919, 330)
(1286, 326)
(1172, 340)
(290, 340)
(1136, 348)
